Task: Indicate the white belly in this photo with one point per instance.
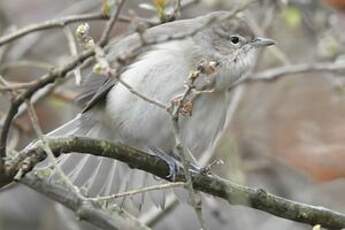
(139, 123)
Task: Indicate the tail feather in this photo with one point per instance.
(80, 125)
(138, 200)
(110, 187)
(101, 176)
(79, 175)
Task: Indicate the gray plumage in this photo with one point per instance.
(115, 114)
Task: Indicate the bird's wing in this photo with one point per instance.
(132, 46)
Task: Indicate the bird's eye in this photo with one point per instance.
(234, 40)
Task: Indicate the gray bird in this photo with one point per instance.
(114, 113)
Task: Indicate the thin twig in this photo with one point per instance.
(275, 73)
(142, 96)
(5, 84)
(49, 152)
(55, 23)
(195, 198)
(113, 19)
(72, 44)
(16, 86)
(139, 191)
(181, 149)
(26, 63)
(50, 24)
(47, 79)
(29, 43)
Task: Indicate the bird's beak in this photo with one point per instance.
(259, 42)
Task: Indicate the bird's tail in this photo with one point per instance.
(100, 176)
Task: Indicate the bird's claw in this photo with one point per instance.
(173, 164)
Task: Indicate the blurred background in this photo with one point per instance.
(286, 135)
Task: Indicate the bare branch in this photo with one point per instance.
(275, 73)
(183, 150)
(26, 63)
(72, 44)
(16, 86)
(55, 23)
(45, 80)
(235, 194)
(86, 210)
(142, 96)
(139, 191)
(113, 19)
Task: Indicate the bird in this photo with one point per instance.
(113, 113)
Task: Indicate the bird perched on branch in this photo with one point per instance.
(219, 49)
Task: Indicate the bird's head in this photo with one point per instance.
(232, 42)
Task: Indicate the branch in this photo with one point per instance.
(275, 73)
(233, 193)
(87, 210)
(138, 191)
(55, 23)
(113, 19)
(47, 79)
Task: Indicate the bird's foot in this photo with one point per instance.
(174, 167)
(173, 163)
